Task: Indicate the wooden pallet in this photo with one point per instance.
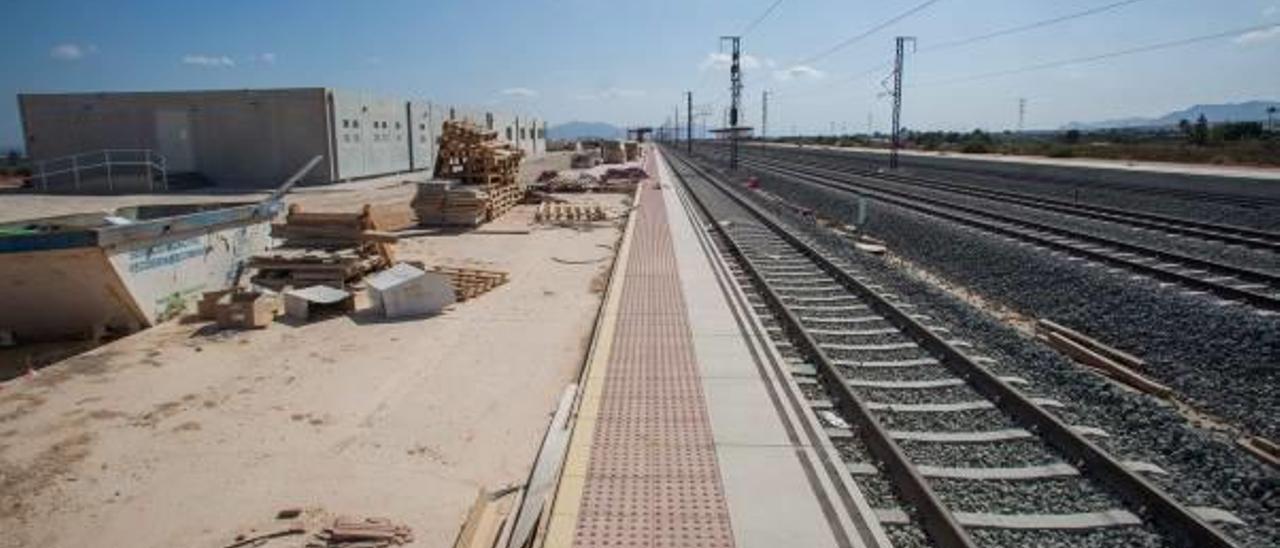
(470, 283)
(569, 213)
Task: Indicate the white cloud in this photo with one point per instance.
(610, 93)
(215, 61)
(264, 58)
(1259, 36)
(799, 72)
(1270, 11)
(519, 92)
(69, 52)
(722, 61)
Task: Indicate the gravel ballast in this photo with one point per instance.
(1225, 367)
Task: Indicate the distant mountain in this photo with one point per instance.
(584, 130)
(1228, 112)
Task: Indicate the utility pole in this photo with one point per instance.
(675, 123)
(901, 43)
(735, 92)
(1022, 113)
(764, 114)
(688, 121)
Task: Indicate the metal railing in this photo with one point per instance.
(84, 169)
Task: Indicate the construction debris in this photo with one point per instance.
(632, 173)
(347, 532)
(241, 309)
(613, 152)
(259, 540)
(469, 283)
(487, 518)
(561, 213)
(317, 301)
(586, 159)
(475, 158)
(445, 203)
(404, 290)
(332, 249)
(1109, 361)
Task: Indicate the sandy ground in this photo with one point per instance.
(179, 436)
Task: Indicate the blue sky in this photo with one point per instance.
(629, 62)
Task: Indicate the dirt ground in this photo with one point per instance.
(181, 436)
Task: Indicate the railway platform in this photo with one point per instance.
(688, 430)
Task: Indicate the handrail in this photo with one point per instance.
(155, 164)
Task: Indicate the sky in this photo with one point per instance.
(629, 63)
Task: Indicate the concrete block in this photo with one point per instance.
(404, 290)
(304, 304)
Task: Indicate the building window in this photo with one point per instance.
(508, 133)
(355, 124)
(397, 125)
(422, 127)
(346, 123)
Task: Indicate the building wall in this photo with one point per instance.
(243, 138)
(257, 138)
(371, 135)
(423, 129)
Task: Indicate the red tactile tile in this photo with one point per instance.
(652, 478)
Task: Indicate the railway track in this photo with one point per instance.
(967, 453)
(1228, 234)
(1256, 288)
(1195, 196)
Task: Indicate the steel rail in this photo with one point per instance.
(908, 201)
(1223, 198)
(935, 518)
(1212, 231)
(1146, 498)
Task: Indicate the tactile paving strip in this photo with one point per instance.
(652, 478)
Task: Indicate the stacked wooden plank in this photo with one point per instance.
(305, 267)
(442, 203)
(363, 533)
(470, 283)
(331, 249)
(475, 158)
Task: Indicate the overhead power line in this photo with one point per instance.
(1100, 56)
(1028, 26)
(855, 38)
(882, 67)
(761, 18)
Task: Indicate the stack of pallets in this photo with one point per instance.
(474, 157)
(331, 249)
(469, 283)
(442, 203)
